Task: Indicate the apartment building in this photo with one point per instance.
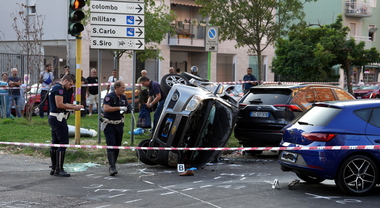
(363, 19)
(184, 49)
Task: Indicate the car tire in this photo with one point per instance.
(309, 179)
(192, 76)
(141, 154)
(169, 80)
(357, 175)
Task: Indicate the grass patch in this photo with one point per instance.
(38, 131)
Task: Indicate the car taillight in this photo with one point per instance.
(241, 105)
(290, 107)
(320, 137)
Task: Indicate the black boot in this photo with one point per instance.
(112, 160)
(59, 171)
(53, 157)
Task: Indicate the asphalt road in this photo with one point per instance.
(235, 182)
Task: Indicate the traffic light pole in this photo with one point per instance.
(78, 83)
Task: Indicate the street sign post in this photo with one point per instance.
(212, 39)
(117, 25)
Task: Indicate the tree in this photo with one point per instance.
(253, 23)
(29, 30)
(301, 57)
(310, 53)
(158, 20)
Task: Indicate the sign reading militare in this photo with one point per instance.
(117, 24)
(212, 39)
(117, 19)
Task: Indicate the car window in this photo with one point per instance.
(319, 116)
(323, 94)
(268, 96)
(375, 117)
(342, 95)
(363, 113)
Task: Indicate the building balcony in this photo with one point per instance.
(188, 34)
(357, 9)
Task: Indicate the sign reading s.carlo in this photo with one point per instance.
(117, 24)
(212, 39)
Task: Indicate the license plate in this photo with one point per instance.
(288, 156)
(359, 98)
(259, 114)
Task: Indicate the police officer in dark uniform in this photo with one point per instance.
(57, 120)
(115, 104)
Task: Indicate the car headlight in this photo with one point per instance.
(193, 103)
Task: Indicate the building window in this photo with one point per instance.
(371, 32)
(32, 10)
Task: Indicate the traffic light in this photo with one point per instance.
(76, 15)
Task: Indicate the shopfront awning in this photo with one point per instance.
(185, 3)
(371, 66)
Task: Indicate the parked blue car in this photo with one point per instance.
(336, 123)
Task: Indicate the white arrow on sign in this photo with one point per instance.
(116, 7)
(117, 31)
(117, 19)
(117, 43)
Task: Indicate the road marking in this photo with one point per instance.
(136, 200)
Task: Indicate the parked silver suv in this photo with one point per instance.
(196, 115)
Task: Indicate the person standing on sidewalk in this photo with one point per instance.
(58, 123)
(249, 79)
(115, 104)
(46, 80)
(14, 94)
(93, 91)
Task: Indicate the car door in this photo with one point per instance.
(373, 127)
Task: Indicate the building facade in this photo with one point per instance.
(362, 17)
(184, 49)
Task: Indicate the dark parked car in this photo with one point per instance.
(266, 109)
(337, 123)
(367, 92)
(196, 115)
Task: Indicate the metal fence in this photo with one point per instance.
(28, 66)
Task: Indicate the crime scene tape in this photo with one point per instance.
(228, 82)
(355, 147)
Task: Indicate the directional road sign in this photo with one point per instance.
(117, 31)
(117, 19)
(117, 24)
(117, 7)
(117, 43)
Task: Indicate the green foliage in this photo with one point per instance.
(308, 54)
(38, 131)
(253, 23)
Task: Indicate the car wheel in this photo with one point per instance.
(169, 80)
(309, 179)
(357, 175)
(141, 154)
(192, 76)
(377, 96)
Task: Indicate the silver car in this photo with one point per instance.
(200, 114)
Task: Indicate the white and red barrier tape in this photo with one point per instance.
(355, 147)
(231, 82)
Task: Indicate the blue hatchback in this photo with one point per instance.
(336, 123)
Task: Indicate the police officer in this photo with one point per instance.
(57, 120)
(115, 104)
